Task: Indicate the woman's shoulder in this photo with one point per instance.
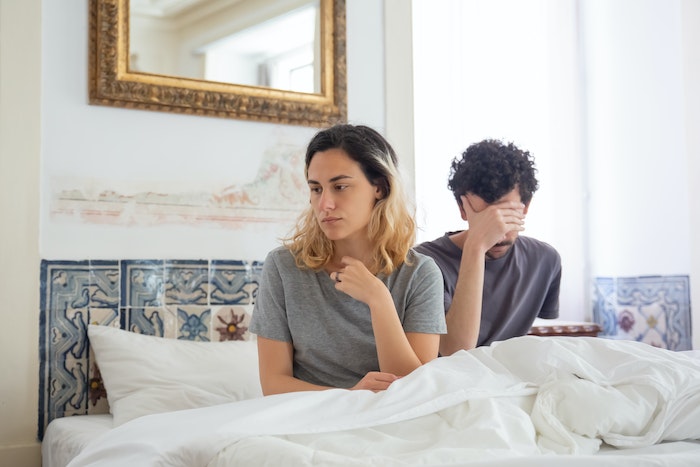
(419, 273)
(281, 256)
(415, 255)
(279, 251)
(419, 261)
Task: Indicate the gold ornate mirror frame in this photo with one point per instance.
(112, 84)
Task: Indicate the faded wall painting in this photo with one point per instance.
(277, 194)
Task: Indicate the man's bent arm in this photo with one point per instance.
(464, 316)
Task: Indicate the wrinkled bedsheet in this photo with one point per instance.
(527, 401)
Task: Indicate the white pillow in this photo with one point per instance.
(146, 374)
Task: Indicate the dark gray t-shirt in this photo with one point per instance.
(518, 287)
(332, 332)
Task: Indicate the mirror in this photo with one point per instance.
(165, 55)
(269, 43)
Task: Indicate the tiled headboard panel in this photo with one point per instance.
(183, 299)
(651, 309)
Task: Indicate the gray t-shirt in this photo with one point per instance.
(332, 332)
(518, 287)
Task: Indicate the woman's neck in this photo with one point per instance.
(360, 250)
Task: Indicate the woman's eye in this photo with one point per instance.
(315, 189)
(341, 187)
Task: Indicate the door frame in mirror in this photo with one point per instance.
(112, 84)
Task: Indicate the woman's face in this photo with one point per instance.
(341, 196)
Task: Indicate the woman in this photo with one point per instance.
(345, 302)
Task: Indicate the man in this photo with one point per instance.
(496, 281)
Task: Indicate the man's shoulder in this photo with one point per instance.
(530, 248)
(440, 245)
(535, 244)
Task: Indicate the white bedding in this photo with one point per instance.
(66, 437)
(527, 400)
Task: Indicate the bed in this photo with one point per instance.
(526, 401)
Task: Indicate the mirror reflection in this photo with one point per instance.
(155, 72)
(265, 43)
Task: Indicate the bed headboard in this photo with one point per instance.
(204, 300)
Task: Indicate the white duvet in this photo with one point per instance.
(527, 401)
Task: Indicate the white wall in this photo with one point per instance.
(398, 65)
(643, 93)
(636, 127)
(504, 69)
(690, 12)
(20, 67)
(98, 148)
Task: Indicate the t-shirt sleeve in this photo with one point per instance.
(550, 307)
(425, 307)
(269, 318)
(447, 263)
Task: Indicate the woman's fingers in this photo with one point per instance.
(376, 381)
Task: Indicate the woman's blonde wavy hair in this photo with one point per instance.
(391, 228)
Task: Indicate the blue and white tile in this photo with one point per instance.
(152, 321)
(651, 309)
(186, 282)
(232, 283)
(193, 322)
(142, 283)
(65, 291)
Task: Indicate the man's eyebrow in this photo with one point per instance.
(334, 179)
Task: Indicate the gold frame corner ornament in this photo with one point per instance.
(112, 84)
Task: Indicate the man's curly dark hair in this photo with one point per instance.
(490, 169)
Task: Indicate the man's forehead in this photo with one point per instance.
(512, 195)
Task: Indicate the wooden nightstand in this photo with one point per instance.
(554, 327)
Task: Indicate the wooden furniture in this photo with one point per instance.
(546, 327)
